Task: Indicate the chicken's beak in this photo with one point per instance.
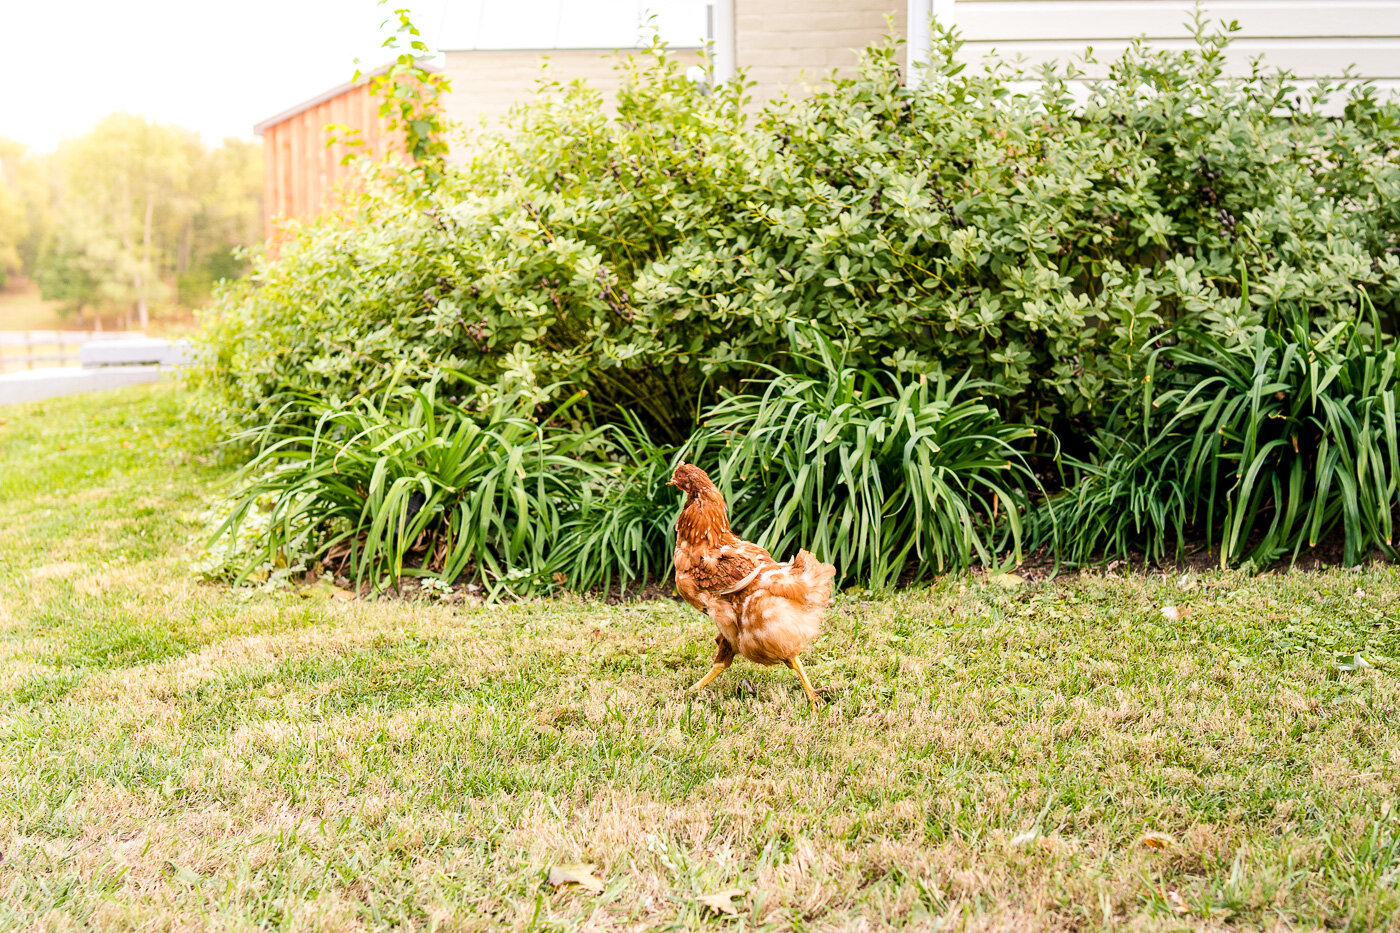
(671, 482)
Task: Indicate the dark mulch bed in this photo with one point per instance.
(1038, 567)
(1041, 566)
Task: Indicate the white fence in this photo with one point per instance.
(26, 349)
(107, 361)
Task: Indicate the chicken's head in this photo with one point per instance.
(690, 479)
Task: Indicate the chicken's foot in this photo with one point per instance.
(795, 665)
(719, 668)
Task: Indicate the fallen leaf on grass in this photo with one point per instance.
(1033, 841)
(324, 589)
(581, 875)
(1177, 903)
(1347, 663)
(1157, 840)
(722, 901)
(1171, 613)
(186, 875)
(1009, 581)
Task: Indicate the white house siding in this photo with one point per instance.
(1315, 39)
(786, 43)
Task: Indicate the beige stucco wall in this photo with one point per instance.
(487, 83)
(780, 43)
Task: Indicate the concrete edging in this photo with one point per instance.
(36, 384)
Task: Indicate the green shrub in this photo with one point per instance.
(1296, 437)
(624, 529)
(1124, 496)
(409, 483)
(889, 478)
(1035, 245)
(964, 227)
(1261, 449)
(885, 477)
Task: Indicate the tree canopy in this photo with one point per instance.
(132, 218)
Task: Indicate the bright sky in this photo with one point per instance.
(221, 67)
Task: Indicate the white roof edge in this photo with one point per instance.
(327, 95)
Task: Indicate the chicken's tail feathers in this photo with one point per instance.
(809, 580)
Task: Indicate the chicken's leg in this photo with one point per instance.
(719, 668)
(795, 665)
(723, 657)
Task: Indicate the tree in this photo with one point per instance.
(13, 228)
(23, 210)
(228, 182)
(147, 215)
(122, 180)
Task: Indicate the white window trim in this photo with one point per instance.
(722, 22)
(920, 38)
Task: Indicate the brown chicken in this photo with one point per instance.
(766, 611)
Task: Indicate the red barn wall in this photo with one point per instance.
(301, 170)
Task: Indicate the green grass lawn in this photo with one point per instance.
(179, 756)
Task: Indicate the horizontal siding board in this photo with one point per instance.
(1080, 90)
(1316, 58)
(1040, 20)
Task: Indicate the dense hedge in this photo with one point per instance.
(1045, 246)
(1025, 239)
